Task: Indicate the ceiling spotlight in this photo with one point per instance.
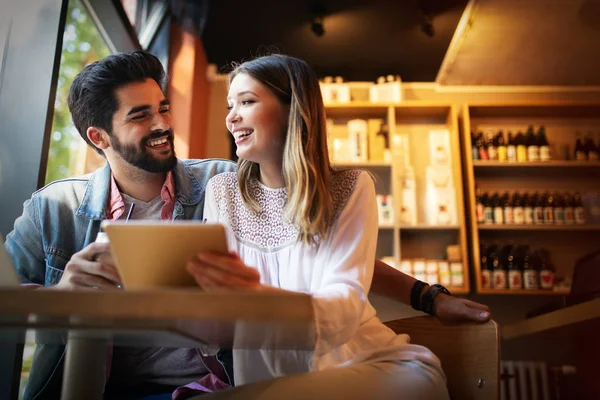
(317, 26)
(427, 24)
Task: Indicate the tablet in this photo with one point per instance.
(152, 254)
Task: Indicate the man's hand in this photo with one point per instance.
(84, 271)
(448, 308)
(223, 271)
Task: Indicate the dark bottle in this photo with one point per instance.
(511, 149)
(549, 209)
(547, 270)
(515, 275)
(479, 207)
(501, 147)
(533, 149)
(580, 154)
(491, 146)
(568, 209)
(559, 210)
(578, 208)
(521, 147)
(488, 209)
(498, 209)
(544, 146)
(508, 208)
(474, 149)
(486, 274)
(590, 148)
(483, 153)
(384, 132)
(530, 274)
(498, 271)
(538, 209)
(518, 209)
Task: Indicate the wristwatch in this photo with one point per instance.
(429, 297)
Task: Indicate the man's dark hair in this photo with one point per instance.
(92, 99)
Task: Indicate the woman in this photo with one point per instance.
(296, 224)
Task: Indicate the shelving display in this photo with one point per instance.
(543, 177)
(420, 197)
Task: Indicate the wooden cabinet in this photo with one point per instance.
(562, 121)
(427, 238)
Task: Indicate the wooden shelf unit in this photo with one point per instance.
(538, 164)
(555, 292)
(509, 227)
(415, 118)
(562, 120)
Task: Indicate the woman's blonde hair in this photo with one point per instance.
(306, 167)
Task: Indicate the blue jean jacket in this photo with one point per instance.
(64, 217)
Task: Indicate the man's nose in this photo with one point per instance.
(161, 122)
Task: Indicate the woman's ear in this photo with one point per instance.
(98, 137)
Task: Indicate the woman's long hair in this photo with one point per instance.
(306, 167)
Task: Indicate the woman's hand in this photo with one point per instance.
(223, 271)
(449, 308)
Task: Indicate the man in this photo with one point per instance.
(119, 109)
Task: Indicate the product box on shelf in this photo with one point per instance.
(358, 140)
(387, 90)
(334, 92)
(439, 148)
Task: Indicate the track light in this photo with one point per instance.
(317, 26)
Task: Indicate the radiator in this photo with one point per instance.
(524, 380)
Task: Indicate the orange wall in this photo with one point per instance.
(189, 92)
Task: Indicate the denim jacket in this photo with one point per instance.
(64, 217)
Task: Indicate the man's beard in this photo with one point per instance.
(139, 155)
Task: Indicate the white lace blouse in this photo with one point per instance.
(337, 274)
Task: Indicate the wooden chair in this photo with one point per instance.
(470, 353)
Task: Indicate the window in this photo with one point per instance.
(82, 45)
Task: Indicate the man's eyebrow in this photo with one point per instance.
(138, 109)
(242, 93)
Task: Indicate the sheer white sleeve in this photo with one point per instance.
(347, 257)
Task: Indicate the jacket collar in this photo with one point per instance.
(97, 192)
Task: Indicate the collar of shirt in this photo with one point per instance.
(116, 205)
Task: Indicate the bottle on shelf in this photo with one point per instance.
(590, 148)
(538, 209)
(533, 149)
(548, 209)
(480, 143)
(568, 209)
(528, 206)
(547, 270)
(479, 206)
(383, 138)
(486, 274)
(488, 210)
(501, 147)
(559, 210)
(518, 210)
(511, 148)
(474, 148)
(521, 147)
(515, 275)
(491, 146)
(580, 154)
(544, 146)
(496, 268)
(578, 208)
(508, 208)
(498, 209)
(530, 274)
